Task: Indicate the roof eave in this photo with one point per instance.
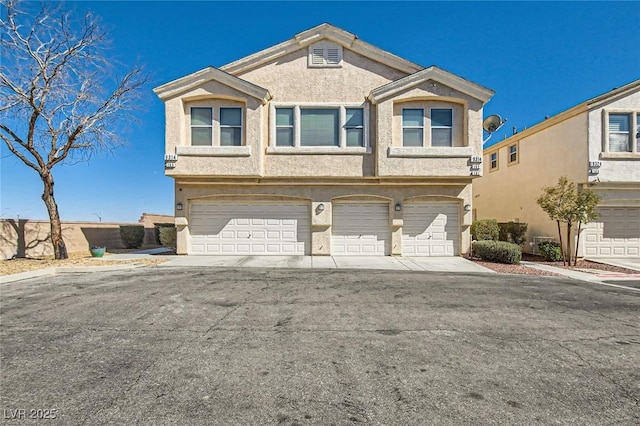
(321, 32)
(205, 75)
(474, 90)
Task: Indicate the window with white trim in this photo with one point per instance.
(513, 153)
(622, 134)
(317, 126)
(284, 126)
(493, 161)
(413, 127)
(201, 126)
(432, 130)
(325, 54)
(223, 129)
(354, 126)
(441, 127)
(230, 126)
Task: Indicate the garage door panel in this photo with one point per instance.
(616, 233)
(360, 229)
(243, 228)
(430, 229)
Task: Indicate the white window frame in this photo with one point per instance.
(292, 126)
(427, 127)
(202, 126)
(634, 131)
(342, 147)
(423, 127)
(431, 127)
(324, 47)
(220, 126)
(516, 152)
(492, 160)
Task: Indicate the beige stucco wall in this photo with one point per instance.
(510, 193)
(428, 161)
(229, 161)
(327, 195)
(624, 170)
(290, 80)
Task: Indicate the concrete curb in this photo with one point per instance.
(6, 279)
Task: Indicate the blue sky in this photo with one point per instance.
(540, 57)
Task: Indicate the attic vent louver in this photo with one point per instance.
(325, 54)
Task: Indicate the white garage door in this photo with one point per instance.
(615, 234)
(430, 229)
(244, 228)
(360, 230)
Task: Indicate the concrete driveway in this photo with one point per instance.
(433, 264)
(208, 346)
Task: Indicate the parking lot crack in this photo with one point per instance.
(618, 385)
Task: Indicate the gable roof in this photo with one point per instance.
(205, 75)
(569, 113)
(321, 32)
(468, 87)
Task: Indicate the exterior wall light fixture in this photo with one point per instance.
(179, 206)
(320, 208)
(467, 207)
(397, 207)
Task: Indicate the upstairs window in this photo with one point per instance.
(284, 126)
(623, 135)
(619, 135)
(354, 126)
(202, 126)
(319, 127)
(216, 126)
(493, 161)
(513, 154)
(413, 127)
(230, 126)
(325, 54)
(441, 127)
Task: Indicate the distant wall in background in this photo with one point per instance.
(31, 238)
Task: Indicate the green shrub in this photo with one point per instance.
(157, 227)
(485, 229)
(168, 236)
(497, 251)
(512, 232)
(550, 250)
(132, 235)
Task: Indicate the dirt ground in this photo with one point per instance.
(582, 266)
(16, 266)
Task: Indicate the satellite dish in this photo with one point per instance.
(492, 123)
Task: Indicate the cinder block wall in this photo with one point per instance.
(30, 238)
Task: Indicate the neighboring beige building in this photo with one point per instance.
(595, 144)
(323, 145)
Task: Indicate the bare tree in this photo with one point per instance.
(59, 100)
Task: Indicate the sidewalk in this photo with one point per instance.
(588, 277)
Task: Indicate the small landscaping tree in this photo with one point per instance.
(565, 203)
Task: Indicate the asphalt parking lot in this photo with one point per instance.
(203, 346)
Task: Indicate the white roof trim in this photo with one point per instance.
(625, 90)
(198, 78)
(313, 35)
(432, 73)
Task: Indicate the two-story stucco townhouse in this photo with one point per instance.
(323, 145)
(596, 144)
